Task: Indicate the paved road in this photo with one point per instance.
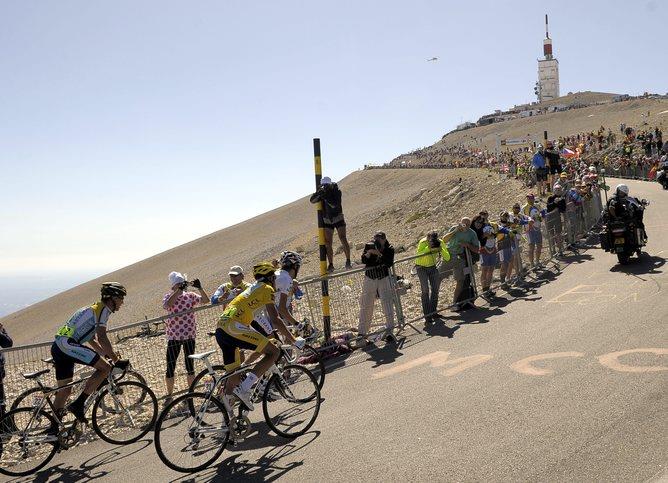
(566, 381)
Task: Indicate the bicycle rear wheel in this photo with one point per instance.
(204, 382)
(124, 413)
(28, 399)
(188, 442)
(291, 401)
(28, 441)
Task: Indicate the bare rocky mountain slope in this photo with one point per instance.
(403, 203)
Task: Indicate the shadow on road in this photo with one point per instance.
(645, 265)
(266, 468)
(89, 469)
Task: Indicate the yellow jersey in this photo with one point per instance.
(244, 306)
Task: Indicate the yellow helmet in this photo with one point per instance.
(263, 269)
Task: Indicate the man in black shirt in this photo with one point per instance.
(556, 205)
(330, 195)
(378, 257)
(553, 162)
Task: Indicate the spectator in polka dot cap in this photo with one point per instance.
(181, 329)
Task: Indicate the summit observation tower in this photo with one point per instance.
(547, 87)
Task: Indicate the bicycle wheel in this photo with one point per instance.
(125, 412)
(129, 375)
(291, 401)
(28, 399)
(187, 442)
(312, 360)
(28, 441)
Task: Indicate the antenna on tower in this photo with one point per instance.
(547, 35)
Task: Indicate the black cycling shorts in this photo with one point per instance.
(541, 174)
(65, 363)
(555, 169)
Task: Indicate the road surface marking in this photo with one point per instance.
(526, 367)
(611, 360)
(462, 363)
(435, 359)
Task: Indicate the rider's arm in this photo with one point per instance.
(220, 292)
(283, 311)
(278, 324)
(102, 340)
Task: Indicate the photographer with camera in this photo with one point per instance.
(378, 257)
(432, 248)
(181, 329)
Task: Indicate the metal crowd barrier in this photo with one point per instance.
(144, 342)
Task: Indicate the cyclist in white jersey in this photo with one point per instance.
(87, 325)
(284, 286)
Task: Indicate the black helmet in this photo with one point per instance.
(112, 289)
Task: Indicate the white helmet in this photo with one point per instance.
(290, 258)
(622, 188)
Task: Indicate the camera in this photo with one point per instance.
(183, 285)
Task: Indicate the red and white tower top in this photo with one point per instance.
(547, 43)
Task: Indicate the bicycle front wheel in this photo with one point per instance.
(312, 360)
(124, 413)
(190, 441)
(28, 441)
(291, 401)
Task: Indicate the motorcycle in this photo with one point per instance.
(624, 236)
(662, 177)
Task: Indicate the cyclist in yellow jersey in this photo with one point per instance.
(234, 331)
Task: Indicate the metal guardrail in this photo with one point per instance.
(143, 342)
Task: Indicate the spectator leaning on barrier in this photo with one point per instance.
(5, 341)
(181, 329)
(227, 291)
(330, 195)
(488, 259)
(459, 238)
(378, 257)
(534, 235)
(504, 238)
(432, 248)
(556, 205)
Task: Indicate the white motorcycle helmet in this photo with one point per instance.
(622, 189)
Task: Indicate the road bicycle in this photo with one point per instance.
(122, 413)
(34, 395)
(193, 430)
(307, 356)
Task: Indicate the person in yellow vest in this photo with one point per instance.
(431, 247)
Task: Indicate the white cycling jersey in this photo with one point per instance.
(82, 325)
(282, 285)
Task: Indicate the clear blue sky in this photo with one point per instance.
(129, 127)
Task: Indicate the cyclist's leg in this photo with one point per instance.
(264, 327)
(236, 334)
(87, 356)
(64, 365)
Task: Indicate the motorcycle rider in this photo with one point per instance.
(662, 171)
(621, 204)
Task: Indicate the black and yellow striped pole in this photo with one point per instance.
(326, 320)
